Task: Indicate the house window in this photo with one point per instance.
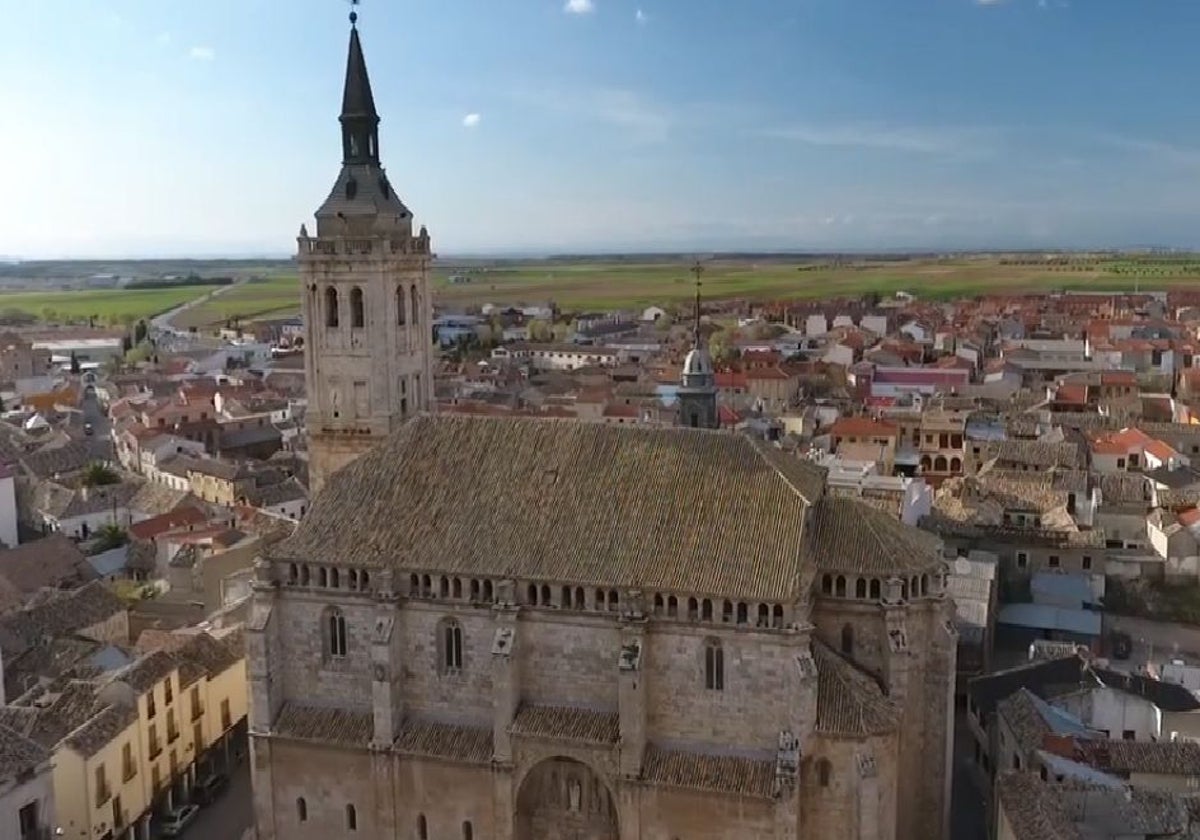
(1128, 735)
(1053, 561)
(452, 645)
(336, 632)
(1087, 563)
(1120, 463)
(358, 314)
(167, 693)
(128, 768)
(351, 818)
(102, 792)
(226, 718)
(302, 809)
(714, 666)
(1022, 559)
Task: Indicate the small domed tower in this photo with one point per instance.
(698, 387)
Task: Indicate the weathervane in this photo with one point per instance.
(353, 12)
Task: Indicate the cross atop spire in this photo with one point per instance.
(697, 270)
(359, 119)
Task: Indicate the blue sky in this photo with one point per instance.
(209, 128)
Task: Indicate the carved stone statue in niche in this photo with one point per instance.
(574, 793)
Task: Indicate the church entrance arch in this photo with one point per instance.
(564, 799)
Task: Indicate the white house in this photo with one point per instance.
(8, 508)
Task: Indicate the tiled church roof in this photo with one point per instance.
(334, 726)
(717, 773)
(848, 701)
(564, 722)
(580, 503)
(849, 536)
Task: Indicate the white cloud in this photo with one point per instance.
(639, 16)
(471, 120)
(579, 7)
(894, 138)
(202, 53)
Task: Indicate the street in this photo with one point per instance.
(231, 814)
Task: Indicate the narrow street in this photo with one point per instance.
(232, 813)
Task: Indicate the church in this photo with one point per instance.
(502, 629)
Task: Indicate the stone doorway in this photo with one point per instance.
(563, 799)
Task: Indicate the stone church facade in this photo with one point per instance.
(497, 629)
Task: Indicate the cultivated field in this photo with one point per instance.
(618, 283)
(107, 306)
(607, 283)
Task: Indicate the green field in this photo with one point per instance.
(586, 283)
(107, 306)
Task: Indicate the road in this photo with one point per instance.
(164, 324)
(230, 816)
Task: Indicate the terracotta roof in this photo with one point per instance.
(1033, 810)
(670, 509)
(61, 614)
(567, 723)
(444, 740)
(849, 702)
(849, 536)
(152, 527)
(863, 427)
(716, 773)
(19, 754)
(333, 726)
(1174, 758)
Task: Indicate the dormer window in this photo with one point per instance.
(351, 189)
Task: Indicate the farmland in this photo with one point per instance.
(576, 284)
(626, 282)
(107, 306)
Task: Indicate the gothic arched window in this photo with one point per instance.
(714, 665)
(860, 588)
(358, 310)
(451, 644)
(335, 632)
(351, 818)
(875, 589)
(416, 306)
(400, 307)
(302, 809)
(331, 306)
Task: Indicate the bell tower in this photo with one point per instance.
(697, 391)
(368, 354)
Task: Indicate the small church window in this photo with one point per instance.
(351, 189)
(727, 611)
(658, 603)
(823, 772)
(452, 647)
(474, 590)
(714, 666)
(613, 600)
(706, 612)
(777, 617)
(875, 589)
(487, 591)
(351, 818)
(416, 306)
(764, 618)
(456, 588)
(580, 604)
(334, 578)
(422, 828)
(331, 306)
(532, 594)
(848, 640)
(860, 588)
(827, 584)
(400, 319)
(336, 632)
(358, 313)
(302, 809)
(546, 600)
(742, 615)
(839, 588)
(672, 606)
(468, 831)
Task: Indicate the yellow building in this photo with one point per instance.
(134, 740)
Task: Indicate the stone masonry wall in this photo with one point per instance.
(427, 689)
(310, 677)
(568, 660)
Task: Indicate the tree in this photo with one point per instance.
(109, 537)
(126, 344)
(540, 331)
(98, 474)
(140, 332)
(721, 351)
(74, 363)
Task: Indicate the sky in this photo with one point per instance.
(131, 128)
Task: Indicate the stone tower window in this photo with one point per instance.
(331, 306)
(531, 594)
(456, 588)
(416, 306)
(580, 603)
(487, 591)
(335, 629)
(400, 307)
(823, 771)
(422, 828)
(302, 809)
(839, 588)
(827, 584)
(358, 313)
(706, 612)
(742, 613)
(860, 588)
(875, 590)
(777, 617)
(474, 590)
(714, 666)
(848, 640)
(763, 616)
(351, 818)
(727, 611)
(451, 643)
(672, 606)
(468, 832)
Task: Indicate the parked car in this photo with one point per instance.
(209, 788)
(179, 819)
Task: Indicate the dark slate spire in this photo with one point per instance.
(359, 119)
